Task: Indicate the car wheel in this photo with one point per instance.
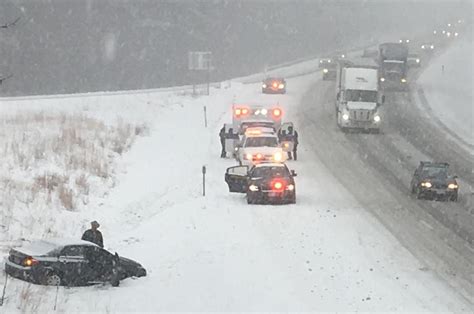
(250, 201)
(418, 195)
(51, 279)
(454, 198)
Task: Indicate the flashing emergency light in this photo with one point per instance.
(276, 113)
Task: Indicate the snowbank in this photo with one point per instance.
(447, 84)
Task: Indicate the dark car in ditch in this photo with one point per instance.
(69, 262)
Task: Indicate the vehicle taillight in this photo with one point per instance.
(238, 112)
(245, 111)
(276, 113)
(275, 84)
(281, 86)
(259, 156)
(29, 261)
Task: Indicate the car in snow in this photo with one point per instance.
(329, 68)
(404, 41)
(274, 85)
(69, 262)
(427, 46)
(414, 60)
(432, 181)
(265, 183)
(246, 115)
(259, 148)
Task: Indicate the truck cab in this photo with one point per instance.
(358, 97)
(393, 66)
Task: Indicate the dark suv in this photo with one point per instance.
(265, 183)
(70, 263)
(432, 181)
(274, 85)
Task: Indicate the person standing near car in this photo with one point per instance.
(93, 235)
(222, 138)
(293, 136)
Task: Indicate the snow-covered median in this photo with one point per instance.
(447, 84)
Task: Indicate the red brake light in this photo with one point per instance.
(259, 156)
(275, 84)
(238, 112)
(245, 111)
(276, 113)
(30, 261)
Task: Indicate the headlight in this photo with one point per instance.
(329, 60)
(320, 61)
(281, 86)
(377, 118)
(417, 60)
(452, 186)
(325, 70)
(408, 40)
(253, 188)
(426, 184)
(403, 80)
(264, 111)
(290, 187)
(432, 46)
(422, 46)
(278, 156)
(456, 34)
(345, 116)
(264, 85)
(382, 79)
(248, 156)
(435, 32)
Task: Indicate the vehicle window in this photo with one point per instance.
(393, 67)
(261, 142)
(242, 171)
(270, 172)
(73, 250)
(435, 172)
(361, 95)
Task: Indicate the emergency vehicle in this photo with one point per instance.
(256, 115)
(259, 148)
(274, 85)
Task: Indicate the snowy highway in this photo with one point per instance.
(355, 241)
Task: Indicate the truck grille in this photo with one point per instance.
(361, 115)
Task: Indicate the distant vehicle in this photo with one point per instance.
(393, 66)
(329, 68)
(428, 46)
(266, 183)
(357, 95)
(274, 85)
(245, 115)
(260, 148)
(69, 262)
(414, 60)
(404, 41)
(432, 181)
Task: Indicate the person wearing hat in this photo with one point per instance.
(93, 235)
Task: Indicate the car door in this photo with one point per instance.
(237, 178)
(72, 263)
(100, 264)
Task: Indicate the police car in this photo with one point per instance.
(258, 148)
(274, 85)
(69, 262)
(432, 181)
(266, 183)
(245, 115)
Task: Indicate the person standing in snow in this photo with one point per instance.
(93, 235)
(293, 136)
(222, 137)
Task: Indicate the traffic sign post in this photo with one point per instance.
(200, 61)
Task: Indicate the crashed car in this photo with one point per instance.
(274, 85)
(69, 262)
(432, 181)
(414, 61)
(404, 41)
(259, 148)
(266, 183)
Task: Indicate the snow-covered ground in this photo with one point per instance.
(449, 91)
(216, 253)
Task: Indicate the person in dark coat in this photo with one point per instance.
(293, 136)
(93, 235)
(222, 137)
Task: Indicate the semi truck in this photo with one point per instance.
(358, 97)
(393, 65)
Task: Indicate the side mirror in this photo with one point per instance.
(293, 173)
(455, 177)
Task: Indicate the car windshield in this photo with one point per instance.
(435, 172)
(393, 67)
(267, 172)
(361, 95)
(261, 141)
